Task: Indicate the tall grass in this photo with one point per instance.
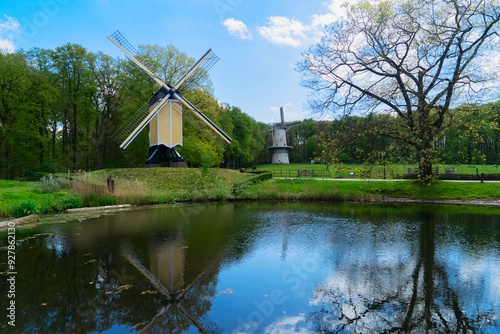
(133, 192)
(92, 190)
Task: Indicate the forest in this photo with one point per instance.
(60, 108)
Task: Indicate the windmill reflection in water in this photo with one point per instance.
(166, 275)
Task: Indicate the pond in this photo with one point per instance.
(260, 268)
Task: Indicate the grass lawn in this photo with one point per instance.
(377, 171)
(13, 193)
(300, 189)
(165, 185)
(162, 180)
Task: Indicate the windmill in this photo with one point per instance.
(164, 111)
(279, 148)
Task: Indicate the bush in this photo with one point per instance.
(26, 208)
(50, 184)
(72, 202)
(103, 201)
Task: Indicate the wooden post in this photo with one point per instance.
(111, 184)
(482, 177)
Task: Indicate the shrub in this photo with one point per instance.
(50, 184)
(72, 202)
(100, 200)
(26, 208)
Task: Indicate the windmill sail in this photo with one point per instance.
(151, 113)
(197, 71)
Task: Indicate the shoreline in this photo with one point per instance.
(95, 212)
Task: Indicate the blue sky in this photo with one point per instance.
(258, 42)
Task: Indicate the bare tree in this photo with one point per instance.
(408, 59)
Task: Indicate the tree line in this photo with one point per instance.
(473, 137)
(60, 108)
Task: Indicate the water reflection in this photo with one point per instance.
(261, 268)
(415, 292)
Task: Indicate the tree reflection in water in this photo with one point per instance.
(395, 299)
(377, 269)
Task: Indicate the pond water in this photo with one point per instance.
(261, 268)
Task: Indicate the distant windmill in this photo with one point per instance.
(279, 148)
(163, 111)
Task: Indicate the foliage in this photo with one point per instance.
(98, 200)
(50, 184)
(72, 202)
(26, 208)
(406, 61)
(67, 103)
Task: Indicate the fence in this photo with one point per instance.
(448, 174)
(332, 174)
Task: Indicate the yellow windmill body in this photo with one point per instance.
(164, 110)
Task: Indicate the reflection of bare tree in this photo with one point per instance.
(174, 316)
(424, 300)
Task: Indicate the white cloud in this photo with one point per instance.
(8, 27)
(7, 45)
(336, 7)
(237, 28)
(284, 31)
(292, 324)
(320, 21)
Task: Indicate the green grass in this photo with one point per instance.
(166, 185)
(21, 195)
(278, 189)
(377, 171)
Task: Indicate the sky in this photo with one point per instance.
(258, 42)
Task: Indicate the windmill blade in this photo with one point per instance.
(203, 124)
(132, 53)
(197, 71)
(138, 121)
(129, 255)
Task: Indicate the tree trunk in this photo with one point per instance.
(54, 133)
(87, 153)
(105, 142)
(425, 155)
(1, 163)
(95, 142)
(8, 160)
(74, 136)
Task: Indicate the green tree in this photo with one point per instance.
(403, 58)
(76, 87)
(17, 96)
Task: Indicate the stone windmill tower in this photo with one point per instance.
(279, 148)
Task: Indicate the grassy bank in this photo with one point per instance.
(299, 189)
(22, 198)
(167, 185)
(137, 186)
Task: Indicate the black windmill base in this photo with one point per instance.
(163, 156)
